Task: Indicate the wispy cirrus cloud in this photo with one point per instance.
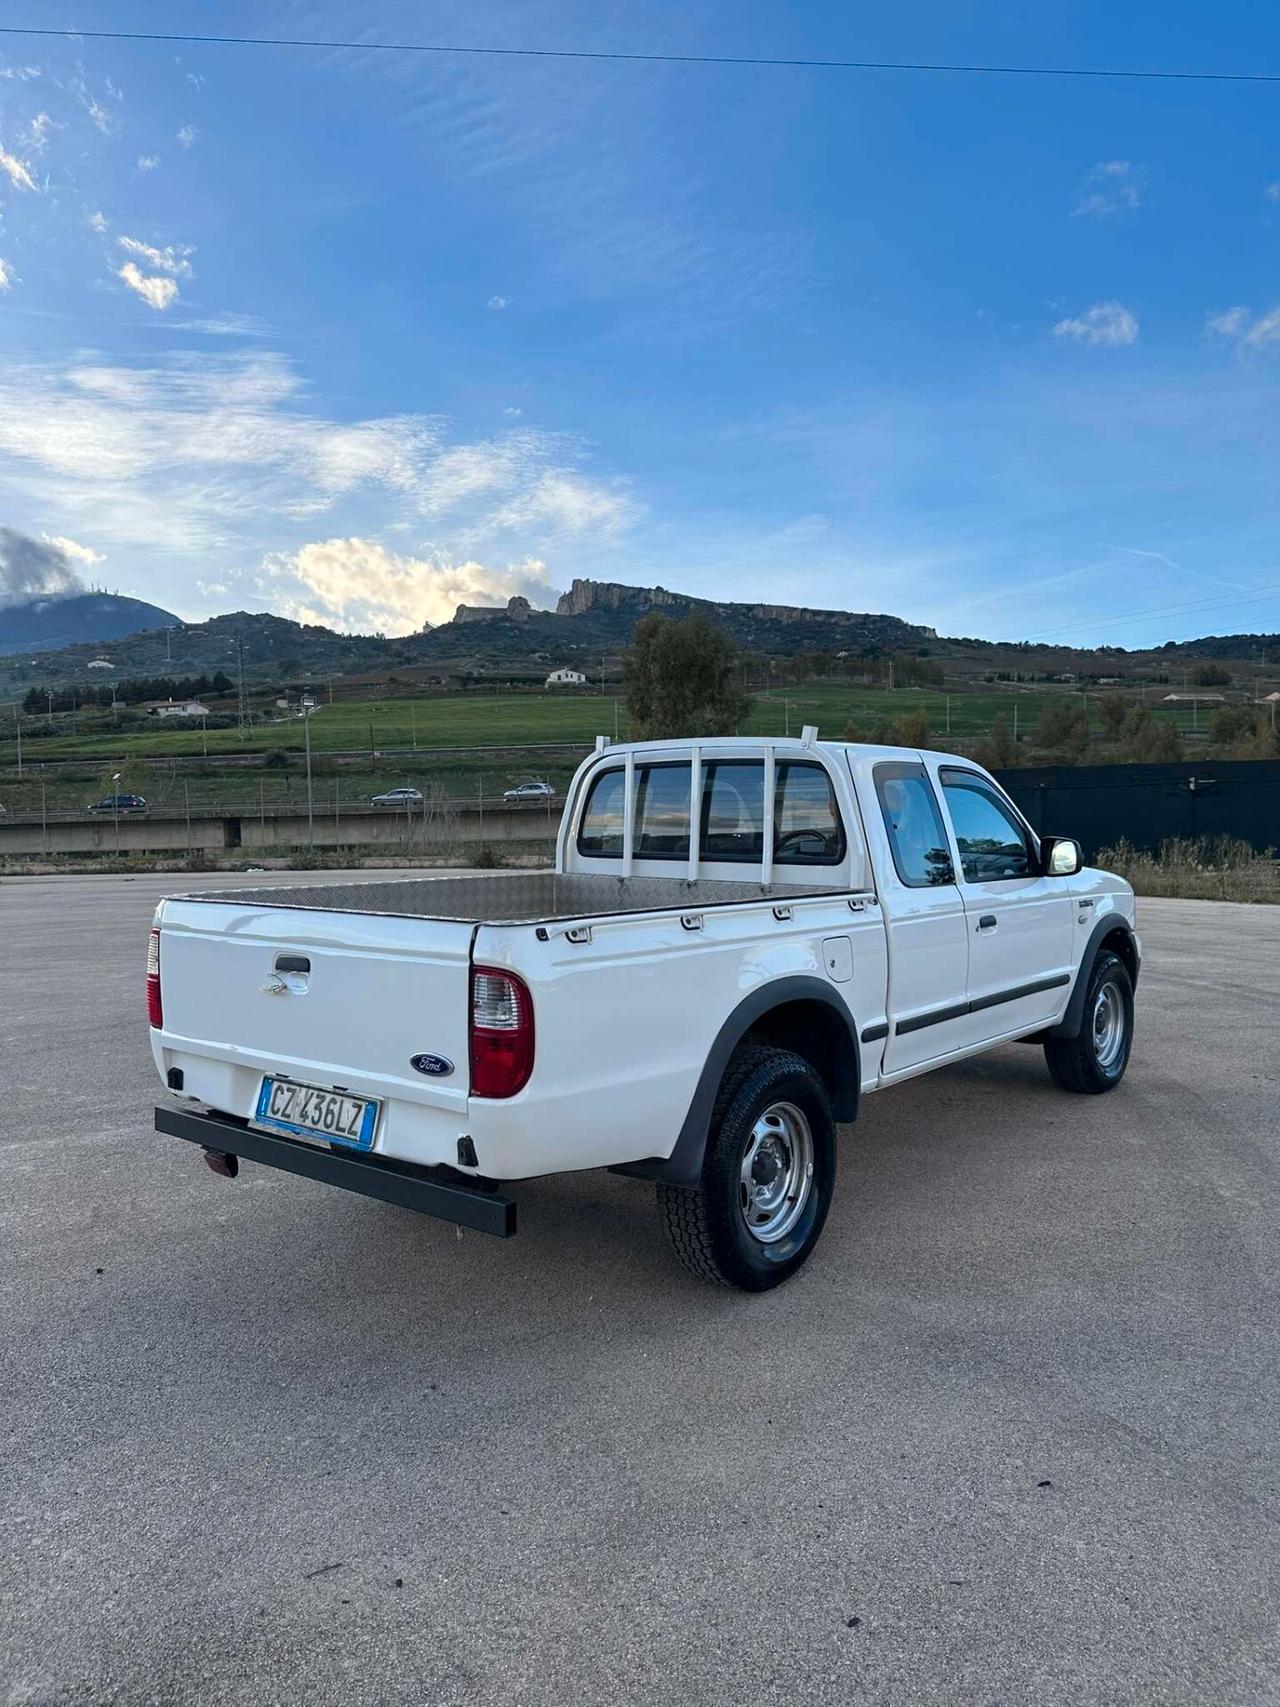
(186, 136)
(1240, 326)
(173, 259)
(17, 171)
(6, 274)
(211, 462)
(1105, 325)
(148, 162)
(1112, 189)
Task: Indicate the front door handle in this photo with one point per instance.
(988, 922)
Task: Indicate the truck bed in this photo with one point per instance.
(518, 897)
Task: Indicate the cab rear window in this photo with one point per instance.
(806, 819)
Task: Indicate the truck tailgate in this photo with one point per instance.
(328, 999)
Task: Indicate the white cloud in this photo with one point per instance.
(6, 274)
(17, 174)
(1231, 323)
(73, 549)
(1272, 192)
(1240, 325)
(20, 73)
(357, 584)
(230, 326)
(186, 136)
(1105, 324)
(497, 302)
(155, 290)
(1112, 189)
(512, 412)
(210, 459)
(172, 259)
(40, 127)
(98, 114)
(97, 221)
(148, 162)
(566, 503)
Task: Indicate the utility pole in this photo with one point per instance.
(242, 692)
(308, 706)
(17, 723)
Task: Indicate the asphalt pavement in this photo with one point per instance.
(1012, 1437)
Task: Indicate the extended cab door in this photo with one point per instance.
(924, 917)
(1020, 922)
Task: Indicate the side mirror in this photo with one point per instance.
(1061, 856)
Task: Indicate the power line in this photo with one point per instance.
(1258, 596)
(655, 58)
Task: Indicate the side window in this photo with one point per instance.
(733, 811)
(917, 839)
(806, 820)
(600, 832)
(992, 843)
(662, 812)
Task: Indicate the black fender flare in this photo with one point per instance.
(1110, 924)
(684, 1165)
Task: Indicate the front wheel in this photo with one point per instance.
(767, 1175)
(1095, 1060)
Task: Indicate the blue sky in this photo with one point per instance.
(353, 336)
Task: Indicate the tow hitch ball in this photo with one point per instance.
(227, 1166)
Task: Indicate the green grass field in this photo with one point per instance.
(475, 721)
(389, 743)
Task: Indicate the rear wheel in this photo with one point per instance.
(1095, 1060)
(767, 1175)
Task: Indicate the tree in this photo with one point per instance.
(911, 730)
(682, 679)
(1211, 676)
(1113, 708)
(1151, 740)
(999, 751)
(1063, 728)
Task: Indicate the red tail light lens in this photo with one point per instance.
(501, 1033)
(155, 1008)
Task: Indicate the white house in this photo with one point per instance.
(566, 679)
(101, 664)
(177, 708)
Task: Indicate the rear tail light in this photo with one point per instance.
(501, 1033)
(155, 1008)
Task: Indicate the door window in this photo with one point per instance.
(913, 822)
(662, 812)
(600, 833)
(993, 843)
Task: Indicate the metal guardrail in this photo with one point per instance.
(416, 812)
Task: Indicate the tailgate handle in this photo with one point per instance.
(293, 963)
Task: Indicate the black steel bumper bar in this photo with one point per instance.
(374, 1176)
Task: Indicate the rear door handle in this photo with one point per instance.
(988, 922)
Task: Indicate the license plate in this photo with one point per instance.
(305, 1112)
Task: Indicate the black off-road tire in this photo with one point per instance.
(1076, 1063)
(706, 1222)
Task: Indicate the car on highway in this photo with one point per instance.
(529, 792)
(398, 797)
(120, 804)
(740, 939)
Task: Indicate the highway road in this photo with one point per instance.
(1012, 1437)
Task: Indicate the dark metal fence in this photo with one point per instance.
(1148, 804)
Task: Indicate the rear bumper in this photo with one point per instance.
(372, 1175)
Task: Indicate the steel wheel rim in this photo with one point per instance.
(776, 1176)
(1108, 1026)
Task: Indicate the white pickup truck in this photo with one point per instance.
(740, 938)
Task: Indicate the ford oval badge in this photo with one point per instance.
(434, 1066)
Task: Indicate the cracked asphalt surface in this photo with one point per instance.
(1011, 1436)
